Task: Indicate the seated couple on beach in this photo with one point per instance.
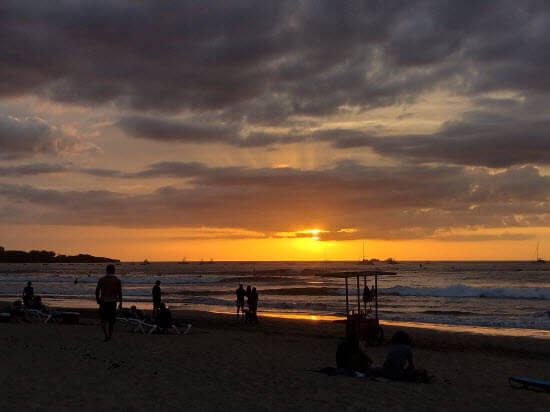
(352, 357)
(163, 318)
(133, 313)
(17, 312)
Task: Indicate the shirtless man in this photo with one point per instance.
(107, 293)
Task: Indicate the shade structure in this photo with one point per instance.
(358, 323)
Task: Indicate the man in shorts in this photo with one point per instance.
(107, 293)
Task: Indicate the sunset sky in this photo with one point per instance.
(276, 130)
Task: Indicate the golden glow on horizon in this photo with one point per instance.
(171, 244)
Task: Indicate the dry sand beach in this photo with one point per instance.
(223, 364)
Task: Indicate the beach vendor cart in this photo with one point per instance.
(362, 320)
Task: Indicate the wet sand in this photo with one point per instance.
(223, 364)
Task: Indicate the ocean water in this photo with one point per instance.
(488, 294)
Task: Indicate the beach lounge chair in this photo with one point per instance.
(150, 328)
(131, 320)
(147, 326)
(527, 383)
(41, 316)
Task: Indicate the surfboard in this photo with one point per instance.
(517, 382)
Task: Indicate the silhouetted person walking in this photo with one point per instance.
(156, 298)
(107, 293)
(240, 292)
(28, 294)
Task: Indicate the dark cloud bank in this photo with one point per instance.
(30, 136)
(234, 63)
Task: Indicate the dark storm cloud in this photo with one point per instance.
(31, 136)
(478, 139)
(37, 169)
(176, 130)
(31, 169)
(229, 65)
(200, 131)
(310, 57)
(386, 203)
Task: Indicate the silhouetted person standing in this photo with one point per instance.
(367, 297)
(156, 298)
(240, 292)
(107, 293)
(253, 301)
(28, 294)
(247, 294)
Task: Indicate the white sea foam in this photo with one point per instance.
(526, 322)
(463, 291)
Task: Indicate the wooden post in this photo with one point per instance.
(376, 294)
(358, 297)
(364, 301)
(347, 300)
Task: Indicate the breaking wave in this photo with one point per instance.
(463, 291)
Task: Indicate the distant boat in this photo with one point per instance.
(201, 262)
(183, 262)
(211, 261)
(365, 261)
(539, 259)
(145, 262)
(390, 261)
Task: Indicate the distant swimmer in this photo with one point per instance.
(75, 280)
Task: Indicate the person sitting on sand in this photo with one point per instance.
(38, 305)
(136, 313)
(399, 363)
(164, 319)
(351, 356)
(240, 292)
(107, 293)
(18, 313)
(28, 294)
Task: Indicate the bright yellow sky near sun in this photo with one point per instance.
(164, 245)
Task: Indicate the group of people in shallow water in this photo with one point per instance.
(352, 359)
(251, 314)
